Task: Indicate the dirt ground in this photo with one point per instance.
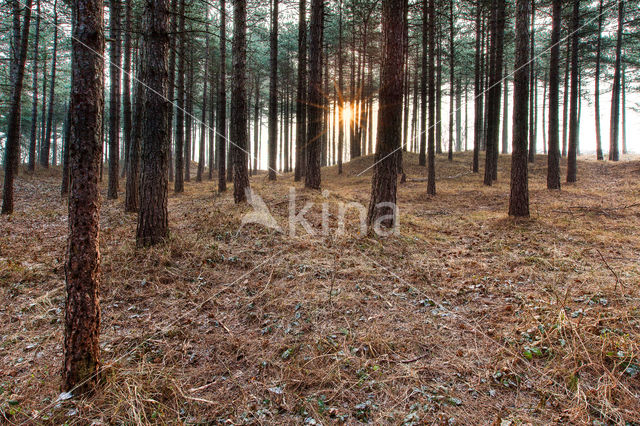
(464, 317)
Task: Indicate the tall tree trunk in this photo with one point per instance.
(438, 72)
(544, 110)
(382, 206)
(153, 219)
(596, 78)
(238, 130)
(451, 79)
(495, 91)
(222, 101)
(34, 89)
(256, 128)
(213, 89)
(126, 85)
(341, 94)
(614, 150)
(431, 157)
(573, 109)
(132, 193)
(46, 146)
(178, 184)
(624, 111)
(553, 159)
(203, 126)
(478, 90)
(519, 198)
(18, 59)
(565, 102)
(532, 87)
(188, 117)
(312, 175)
(82, 268)
(172, 83)
(301, 107)
(427, 26)
(273, 92)
(43, 112)
(114, 100)
(54, 145)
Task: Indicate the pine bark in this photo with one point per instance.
(553, 158)
(238, 128)
(34, 89)
(573, 108)
(312, 175)
(203, 126)
(273, 92)
(82, 268)
(153, 218)
(46, 145)
(426, 56)
(385, 172)
(126, 85)
(478, 91)
(178, 184)
(596, 94)
(431, 157)
(221, 124)
(519, 197)
(132, 193)
(614, 143)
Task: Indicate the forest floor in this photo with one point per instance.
(465, 317)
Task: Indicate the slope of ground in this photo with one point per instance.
(463, 317)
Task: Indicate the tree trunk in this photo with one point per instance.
(596, 94)
(478, 90)
(221, 124)
(505, 115)
(114, 101)
(544, 111)
(553, 159)
(34, 89)
(172, 83)
(46, 145)
(614, 150)
(126, 85)
(312, 175)
(565, 102)
(178, 184)
(64, 187)
(273, 92)
(532, 87)
(12, 145)
(519, 198)
(188, 117)
(132, 193)
(256, 128)
(153, 219)
(301, 107)
(431, 157)
(438, 72)
(382, 206)
(573, 109)
(451, 79)
(238, 130)
(82, 268)
(427, 26)
(495, 90)
(341, 94)
(203, 126)
(624, 111)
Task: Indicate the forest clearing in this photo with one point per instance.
(465, 317)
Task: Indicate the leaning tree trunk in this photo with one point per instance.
(553, 159)
(12, 146)
(221, 124)
(238, 125)
(153, 221)
(82, 268)
(519, 198)
(114, 101)
(614, 147)
(312, 175)
(573, 108)
(34, 89)
(382, 206)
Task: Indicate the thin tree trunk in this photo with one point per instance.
(178, 184)
(64, 187)
(624, 111)
(505, 115)
(34, 89)
(427, 26)
(172, 83)
(478, 91)
(532, 87)
(114, 101)
(565, 102)
(573, 109)
(82, 268)
(544, 111)
(126, 85)
(273, 92)
(519, 198)
(614, 150)
(46, 146)
(341, 93)
(18, 59)
(431, 158)
(188, 117)
(256, 128)
(203, 126)
(222, 101)
(132, 193)
(153, 219)
(553, 159)
(451, 79)
(596, 94)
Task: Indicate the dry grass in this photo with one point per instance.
(466, 317)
